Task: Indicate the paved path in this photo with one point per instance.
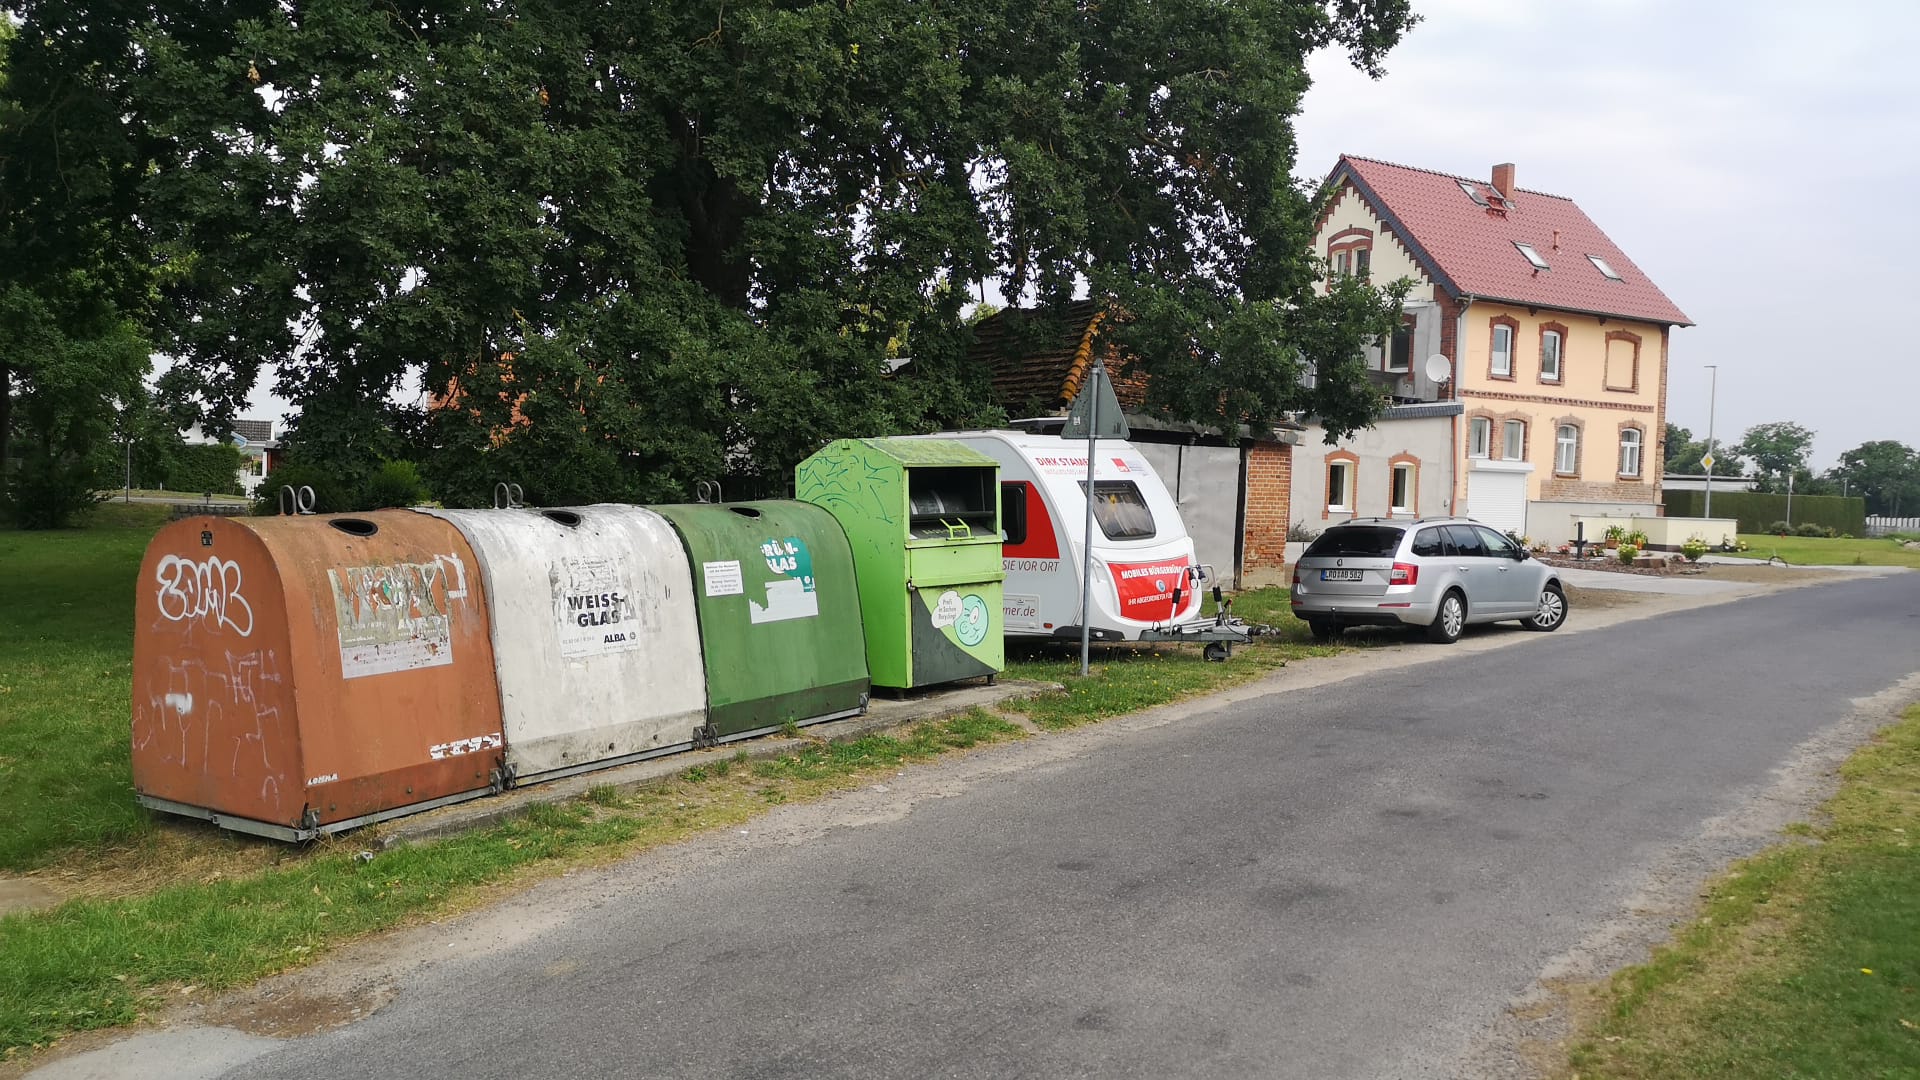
(1349, 879)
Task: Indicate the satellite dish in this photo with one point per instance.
(1439, 368)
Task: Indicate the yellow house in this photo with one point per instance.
(1551, 340)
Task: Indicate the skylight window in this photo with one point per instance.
(1473, 193)
(1600, 264)
(1533, 256)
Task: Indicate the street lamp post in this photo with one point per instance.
(1713, 392)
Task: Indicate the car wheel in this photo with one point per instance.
(1551, 612)
(1451, 619)
(1323, 630)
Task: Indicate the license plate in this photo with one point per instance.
(1340, 575)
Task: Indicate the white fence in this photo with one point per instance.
(1880, 525)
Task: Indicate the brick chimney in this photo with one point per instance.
(1503, 179)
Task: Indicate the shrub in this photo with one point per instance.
(1628, 553)
(1780, 528)
(211, 468)
(1819, 532)
(1693, 549)
(1615, 532)
(1299, 533)
(394, 483)
(1637, 537)
(330, 496)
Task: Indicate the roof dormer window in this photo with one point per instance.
(1600, 264)
(1473, 193)
(1532, 256)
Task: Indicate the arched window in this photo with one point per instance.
(1630, 452)
(1551, 344)
(1566, 452)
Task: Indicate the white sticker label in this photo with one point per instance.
(392, 618)
(947, 611)
(594, 607)
(723, 578)
(1021, 611)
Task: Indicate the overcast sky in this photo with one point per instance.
(1760, 161)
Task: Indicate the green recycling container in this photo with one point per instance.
(779, 612)
(923, 516)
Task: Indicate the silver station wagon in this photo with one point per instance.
(1439, 573)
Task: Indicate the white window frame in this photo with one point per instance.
(1566, 444)
(1340, 263)
(1402, 505)
(1479, 437)
(1343, 469)
(1504, 370)
(1508, 450)
(1631, 447)
(1532, 256)
(1559, 355)
(1606, 269)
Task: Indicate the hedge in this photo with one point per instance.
(205, 467)
(1757, 510)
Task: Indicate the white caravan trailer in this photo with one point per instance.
(1142, 555)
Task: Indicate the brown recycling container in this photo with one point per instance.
(302, 675)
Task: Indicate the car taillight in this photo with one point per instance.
(1296, 577)
(1406, 574)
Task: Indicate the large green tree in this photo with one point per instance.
(1684, 454)
(631, 245)
(74, 274)
(1886, 472)
(1777, 451)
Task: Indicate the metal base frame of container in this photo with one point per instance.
(293, 835)
(755, 733)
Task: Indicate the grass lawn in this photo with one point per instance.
(1806, 960)
(66, 668)
(1813, 551)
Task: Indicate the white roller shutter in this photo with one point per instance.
(1498, 499)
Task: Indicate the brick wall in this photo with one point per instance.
(1269, 483)
(1555, 489)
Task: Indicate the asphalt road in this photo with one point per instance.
(1351, 881)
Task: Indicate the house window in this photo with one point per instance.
(1630, 452)
(1566, 455)
(1479, 437)
(1606, 271)
(1550, 343)
(1339, 486)
(1473, 193)
(1502, 350)
(1513, 443)
(1401, 500)
(1400, 349)
(1340, 264)
(1362, 260)
(1532, 256)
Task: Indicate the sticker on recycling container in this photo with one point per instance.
(723, 578)
(947, 611)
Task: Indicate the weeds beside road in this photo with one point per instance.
(1804, 960)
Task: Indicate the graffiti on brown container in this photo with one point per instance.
(181, 712)
(209, 590)
(397, 617)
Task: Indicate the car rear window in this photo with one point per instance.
(1366, 541)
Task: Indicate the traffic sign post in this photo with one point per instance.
(1095, 415)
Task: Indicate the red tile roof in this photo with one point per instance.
(1469, 249)
(1038, 361)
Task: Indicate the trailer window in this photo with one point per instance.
(1013, 513)
(1120, 509)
